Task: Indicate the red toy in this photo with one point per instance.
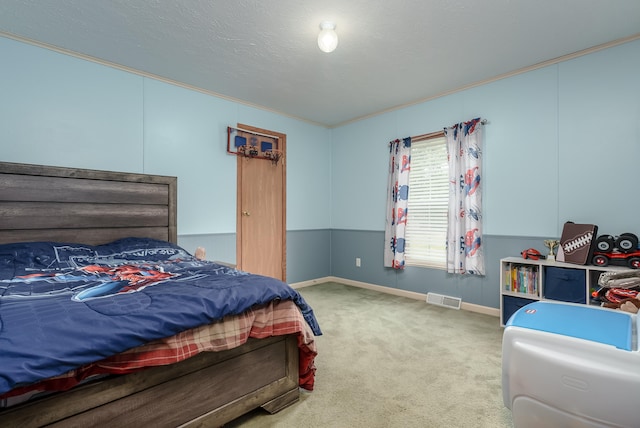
(532, 254)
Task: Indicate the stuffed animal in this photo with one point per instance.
(620, 290)
(201, 253)
(631, 305)
(626, 305)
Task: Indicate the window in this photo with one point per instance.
(428, 204)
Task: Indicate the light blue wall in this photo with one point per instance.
(520, 152)
(599, 133)
(185, 135)
(60, 110)
(562, 144)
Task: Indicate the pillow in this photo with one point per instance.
(24, 258)
(142, 249)
(29, 256)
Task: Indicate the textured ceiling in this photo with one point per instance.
(264, 53)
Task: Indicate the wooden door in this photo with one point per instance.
(261, 210)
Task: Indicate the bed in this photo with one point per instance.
(75, 227)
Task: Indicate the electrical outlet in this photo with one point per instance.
(357, 261)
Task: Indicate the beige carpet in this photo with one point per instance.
(389, 361)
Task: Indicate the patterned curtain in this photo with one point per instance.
(397, 198)
(464, 234)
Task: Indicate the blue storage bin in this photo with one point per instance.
(565, 285)
(510, 306)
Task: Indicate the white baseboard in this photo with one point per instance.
(303, 284)
(471, 307)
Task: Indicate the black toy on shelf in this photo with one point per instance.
(617, 250)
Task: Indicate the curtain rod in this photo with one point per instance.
(254, 133)
(438, 133)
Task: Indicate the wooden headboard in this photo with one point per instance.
(45, 203)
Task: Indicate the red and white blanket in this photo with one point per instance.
(273, 319)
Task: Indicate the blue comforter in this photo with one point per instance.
(65, 305)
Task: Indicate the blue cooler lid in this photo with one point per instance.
(606, 326)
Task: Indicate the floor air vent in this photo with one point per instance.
(446, 301)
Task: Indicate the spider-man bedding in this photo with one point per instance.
(66, 306)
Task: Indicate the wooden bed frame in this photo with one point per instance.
(43, 203)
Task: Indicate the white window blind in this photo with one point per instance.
(426, 229)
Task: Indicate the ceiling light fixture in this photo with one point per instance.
(327, 39)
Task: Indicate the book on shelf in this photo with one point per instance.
(521, 279)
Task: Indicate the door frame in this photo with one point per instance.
(282, 145)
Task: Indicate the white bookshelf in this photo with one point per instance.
(546, 280)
